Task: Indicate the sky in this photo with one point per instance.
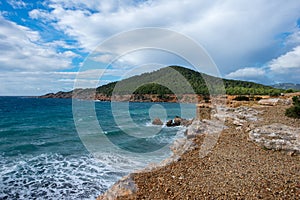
(43, 44)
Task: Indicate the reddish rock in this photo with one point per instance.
(157, 121)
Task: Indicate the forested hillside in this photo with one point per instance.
(176, 77)
(167, 82)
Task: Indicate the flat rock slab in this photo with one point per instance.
(277, 136)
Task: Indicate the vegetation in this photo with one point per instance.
(294, 111)
(153, 88)
(178, 80)
(106, 89)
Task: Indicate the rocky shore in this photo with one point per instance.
(90, 94)
(254, 154)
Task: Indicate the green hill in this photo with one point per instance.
(168, 81)
(179, 79)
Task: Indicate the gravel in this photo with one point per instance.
(236, 168)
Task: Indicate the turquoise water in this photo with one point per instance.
(44, 157)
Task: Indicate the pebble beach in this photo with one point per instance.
(236, 168)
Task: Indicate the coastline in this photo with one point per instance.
(237, 167)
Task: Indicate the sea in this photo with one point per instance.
(77, 149)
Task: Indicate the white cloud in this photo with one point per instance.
(285, 63)
(233, 32)
(17, 4)
(247, 73)
(285, 68)
(38, 83)
(22, 49)
(32, 83)
(294, 39)
(103, 57)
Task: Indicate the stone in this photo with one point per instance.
(277, 137)
(169, 123)
(157, 121)
(204, 127)
(177, 121)
(239, 122)
(269, 102)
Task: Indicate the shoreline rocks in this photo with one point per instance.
(177, 121)
(124, 186)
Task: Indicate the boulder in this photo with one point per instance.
(169, 123)
(157, 121)
(177, 121)
(269, 102)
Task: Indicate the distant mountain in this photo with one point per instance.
(286, 86)
(167, 81)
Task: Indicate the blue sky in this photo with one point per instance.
(44, 43)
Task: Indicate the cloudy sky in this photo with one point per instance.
(44, 43)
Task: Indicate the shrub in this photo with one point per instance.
(290, 91)
(294, 111)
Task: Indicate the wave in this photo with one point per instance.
(53, 176)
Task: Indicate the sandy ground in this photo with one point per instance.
(235, 169)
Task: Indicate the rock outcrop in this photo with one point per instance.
(237, 116)
(204, 127)
(274, 102)
(277, 137)
(178, 121)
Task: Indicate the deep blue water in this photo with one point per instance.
(44, 156)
